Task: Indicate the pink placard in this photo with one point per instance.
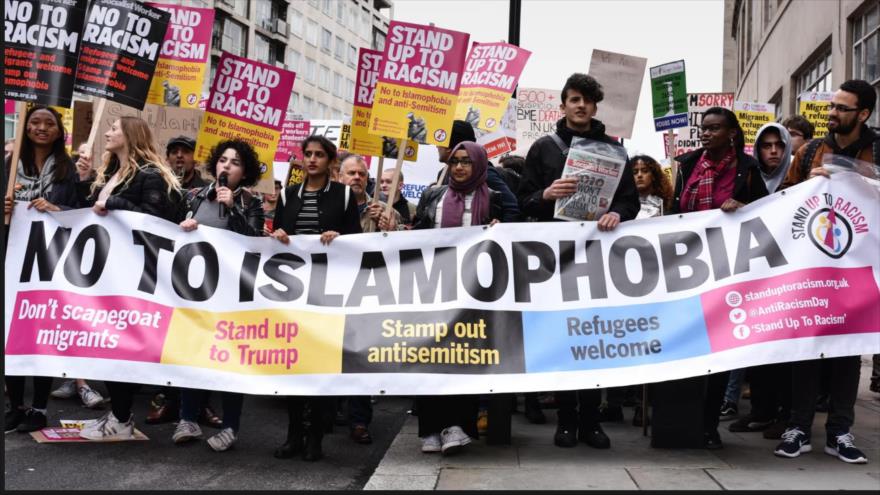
(251, 91)
(807, 303)
(61, 323)
(188, 38)
(367, 76)
(424, 57)
(293, 133)
(495, 66)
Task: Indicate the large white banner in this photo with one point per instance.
(513, 307)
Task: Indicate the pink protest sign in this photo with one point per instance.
(367, 76)
(490, 76)
(293, 132)
(61, 323)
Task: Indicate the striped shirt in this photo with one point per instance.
(307, 220)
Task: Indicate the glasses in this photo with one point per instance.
(464, 162)
(841, 108)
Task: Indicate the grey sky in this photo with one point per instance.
(562, 35)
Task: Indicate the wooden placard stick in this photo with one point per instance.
(378, 178)
(20, 108)
(97, 116)
(673, 165)
(395, 182)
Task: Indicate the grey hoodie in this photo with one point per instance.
(774, 178)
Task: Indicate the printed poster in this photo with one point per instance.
(669, 96)
(814, 107)
(688, 138)
(537, 111)
(491, 74)
(419, 80)
(621, 78)
(753, 116)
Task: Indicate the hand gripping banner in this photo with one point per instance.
(553, 306)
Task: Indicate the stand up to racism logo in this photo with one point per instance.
(830, 222)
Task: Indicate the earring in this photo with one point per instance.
(731, 142)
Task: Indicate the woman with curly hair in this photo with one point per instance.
(224, 204)
(655, 189)
(132, 177)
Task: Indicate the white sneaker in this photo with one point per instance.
(89, 396)
(431, 443)
(65, 391)
(223, 440)
(108, 428)
(186, 431)
(453, 439)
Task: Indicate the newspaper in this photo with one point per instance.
(598, 167)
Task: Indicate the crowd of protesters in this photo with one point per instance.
(335, 199)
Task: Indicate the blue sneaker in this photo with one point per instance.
(841, 446)
(794, 443)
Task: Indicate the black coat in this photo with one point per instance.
(65, 194)
(426, 211)
(544, 164)
(333, 212)
(246, 216)
(147, 193)
(748, 185)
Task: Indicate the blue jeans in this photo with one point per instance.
(734, 386)
(360, 410)
(191, 400)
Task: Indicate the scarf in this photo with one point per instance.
(699, 196)
(453, 200)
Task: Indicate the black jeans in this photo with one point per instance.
(42, 387)
(578, 408)
(770, 386)
(193, 399)
(122, 398)
(805, 378)
(437, 412)
(319, 410)
(360, 410)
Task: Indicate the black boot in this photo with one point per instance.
(312, 451)
(295, 431)
(533, 411)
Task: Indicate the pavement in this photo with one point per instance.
(159, 464)
(532, 462)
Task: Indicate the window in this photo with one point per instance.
(349, 90)
(816, 76)
(748, 6)
(297, 24)
(261, 48)
(325, 7)
(866, 52)
(322, 111)
(293, 61)
(769, 11)
(234, 38)
(324, 78)
(308, 104)
(310, 70)
(337, 85)
(312, 33)
(340, 12)
(378, 40)
(263, 12)
(777, 102)
(352, 56)
(326, 40)
(366, 26)
(353, 17)
(294, 101)
(240, 7)
(336, 114)
(339, 49)
(314, 3)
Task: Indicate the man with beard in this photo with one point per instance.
(180, 156)
(849, 136)
(848, 133)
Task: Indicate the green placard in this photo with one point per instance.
(669, 95)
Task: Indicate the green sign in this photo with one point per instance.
(669, 95)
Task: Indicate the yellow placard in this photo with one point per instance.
(419, 114)
(486, 109)
(817, 113)
(177, 83)
(274, 342)
(216, 128)
(356, 138)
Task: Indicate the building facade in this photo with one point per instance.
(774, 50)
(317, 39)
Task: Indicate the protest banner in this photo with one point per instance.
(621, 79)
(537, 111)
(688, 138)
(752, 116)
(249, 102)
(42, 44)
(503, 140)
(505, 309)
(120, 47)
(813, 106)
(491, 74)
(356, 136)
(669, 96)
(183, 58)
(419, 79)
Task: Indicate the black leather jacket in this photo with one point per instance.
(246, 216)
(426, 211)
(146, 193)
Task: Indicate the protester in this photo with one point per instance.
(773, 152)
(655, 189)
(718, 175)
(224, 204)
(8, 148)
(180, 153)
(800, 129)
(83, 161)
(406, 209)
(270, 201)
(448, 422)
(132, 177)
(541, 186)
(848, 136)
(462, 131)
(510, 168)
(322, 207)
(45, 178)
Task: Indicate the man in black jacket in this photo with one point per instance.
(541, 185)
